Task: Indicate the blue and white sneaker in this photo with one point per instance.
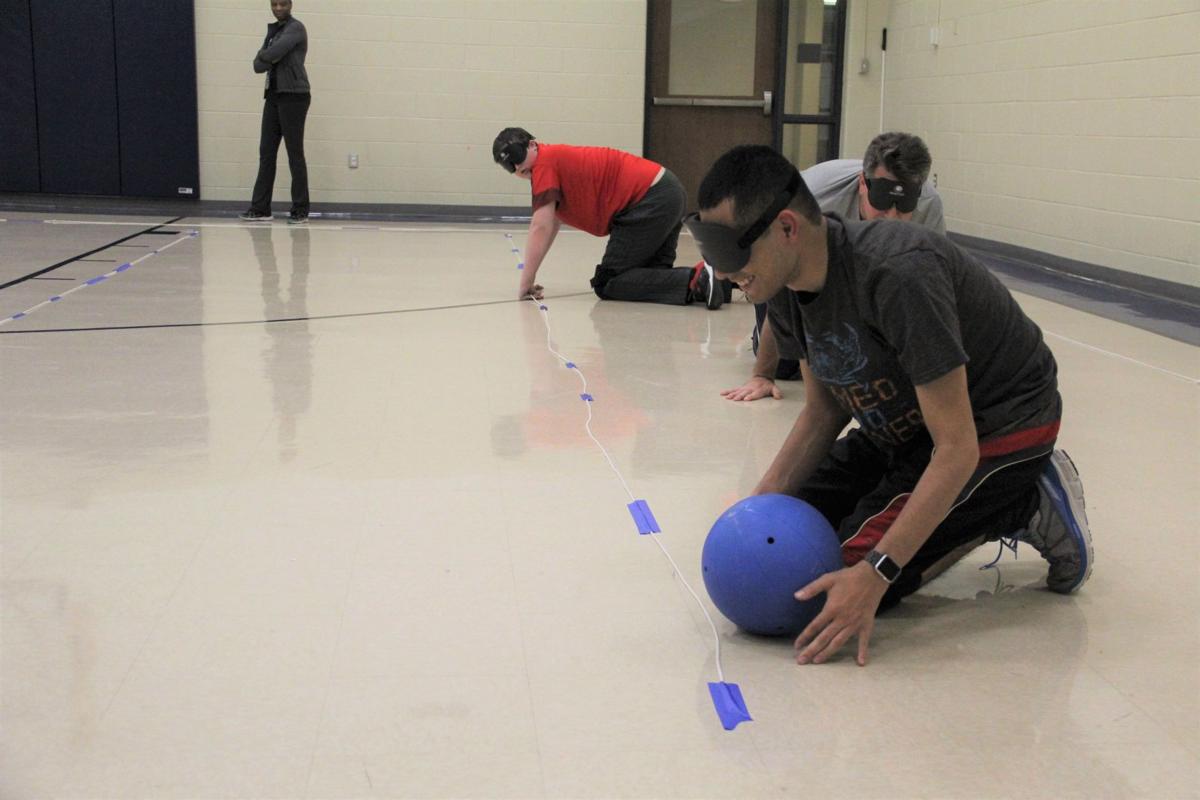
(1059, 528)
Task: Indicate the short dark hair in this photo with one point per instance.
(510, 136)
(902, 154)
(752, 175)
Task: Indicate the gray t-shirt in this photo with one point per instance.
(902, 307)
(835, 186)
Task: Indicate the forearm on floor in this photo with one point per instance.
(767, 359)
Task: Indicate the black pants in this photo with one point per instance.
(639, 261)
(283, 118)
(861, 489)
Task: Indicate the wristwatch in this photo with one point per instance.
(885, 566)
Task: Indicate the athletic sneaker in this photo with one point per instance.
(1059, 528)
(254, 216)
(297, 219)
(705, 287)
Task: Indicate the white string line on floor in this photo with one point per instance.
(545, 312)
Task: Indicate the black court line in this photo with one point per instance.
(55, 279)
(53, 267)
(282, 319)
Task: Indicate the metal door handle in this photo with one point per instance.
(716, 102)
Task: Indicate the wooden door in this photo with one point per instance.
(711, 69)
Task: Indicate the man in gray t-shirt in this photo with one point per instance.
(898, 168)
(839, 186)
(952, 387)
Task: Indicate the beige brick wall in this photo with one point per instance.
(418, 89)
(1068, 126)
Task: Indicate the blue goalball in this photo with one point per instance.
(759, 553)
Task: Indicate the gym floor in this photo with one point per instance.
(313, 512)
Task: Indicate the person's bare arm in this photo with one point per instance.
(853, 594)
(543, 228)
(815, 431)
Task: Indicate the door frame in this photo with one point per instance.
(778, 119)
(834, 118)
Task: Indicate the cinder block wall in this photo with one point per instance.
(418, 89)
(1067, 126)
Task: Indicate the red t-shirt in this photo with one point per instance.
(590, 184)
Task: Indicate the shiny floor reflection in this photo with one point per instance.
(313, 513)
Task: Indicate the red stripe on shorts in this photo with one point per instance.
(861, 543)
(1020, 440)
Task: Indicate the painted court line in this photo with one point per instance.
(1086, 346)
(488, 228)
(96, 280)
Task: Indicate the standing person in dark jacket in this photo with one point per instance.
(285, 109)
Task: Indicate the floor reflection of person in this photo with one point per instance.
(287, 358)
(555, 419)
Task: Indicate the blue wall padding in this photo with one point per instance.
(75, 75)
(18, 103)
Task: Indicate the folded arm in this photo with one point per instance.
(279, 46)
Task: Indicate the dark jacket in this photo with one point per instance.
(283, 51)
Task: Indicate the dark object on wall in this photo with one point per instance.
(74, 64)
(99, 97)
(18, 110)
(156, 98)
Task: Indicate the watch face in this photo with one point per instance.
(888, 569)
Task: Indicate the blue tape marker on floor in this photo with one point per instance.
(18, 315)
(586, 397)
(570, 365)
(731, 707)
(56, 298)
(124, 267)
(643, 517)
(520, 265)
(96, 280)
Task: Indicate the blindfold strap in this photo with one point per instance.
(778, 204)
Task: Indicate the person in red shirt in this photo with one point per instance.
(637, 203)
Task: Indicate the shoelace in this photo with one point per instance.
(1009, 542)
